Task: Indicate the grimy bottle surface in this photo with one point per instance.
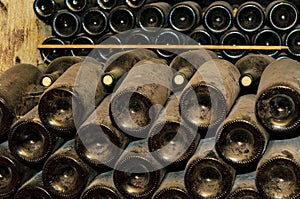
(13, 173)
(278, 97)
(137, 174)
(172, 187)
(186, 64)
(102, 186)
(65, 175)
(120, 63)
(30, 141)
(251, 68)
(69, 101)
(210, 94)
(244, 187)
(207, 175)
(33, 188)
(140, 97)
(171, 141)
(278, 172)
(98, 142)
(241, 140)
(19, 92)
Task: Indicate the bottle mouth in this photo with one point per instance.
(182, 17)
(151, 17)
(107, 4)
(49, 55)
(279, 178)
(30, 141)
(245, 193)
(108, 80)
(250, 17)
(240, 143)
(121, 19)
(64, 177)
(32, 192)
(172, 192)
(268, 37)
(76, 5)
(94, 22)
(44, 8)
(179, 80)
(100, 191)
(208, 178)
(293, 41)
(218, 19)
(65, 24)
(283, 16)
(234, 38)
(246, 80)
(9, 177)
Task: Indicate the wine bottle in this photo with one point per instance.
(218, 17)
(30, 142)
(65, 175)
(206, 175)
(210, 94)
(138, 100)
(45, 9)
(185, 16)
(109, 38)
(234, 37)
(33, 188)
(267, 37)
(186, 64)
(81, 39)
(136, 4)
(13, 173)
(66, 24)
(79, 6)
(57, 67)
(244, 187)
(97, 141)
(241, 140)
(282, 15)
(138, 37)
(120, 63)
(154, 15)
(251, 68)
(170, 140)
(202, 36)
(250, 17)
(121, 19)
(278, 98)
(137, 174)
(278, 171)
(107, 4)
(68, 102)
(172, 187)
(102, 187)
(49, 55)
(19, 92)
(293, 42)
(94, 22)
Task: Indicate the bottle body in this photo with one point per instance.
(49, 55)
(121, 19)
(94, 22)
(45, 10)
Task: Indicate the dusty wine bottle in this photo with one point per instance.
(65, 175)
(57, 67)
(33, 188)
(250, 17)
(13, 173)
(234, 37)
(154, 15)
(45, 9)
(137, 174)
(267, 37)
(278, 98)
(82, 39)
(206, 175)
(121, 18)
(94, 22)
(292, 40)
(278, 171)
(19, 92)
(282, 15)
(30, 142)
(210, 94)
(102, 187)
(120, 63)
(244, 187)
(73, 96)
(97, 141)
(241, 140)
(218, 17)
(138, 100)
(170, 140)
(107, 4)
(185, 16)
(66, 24)
(49, 55)
(202, 36)
(172, 187)
(251, 68)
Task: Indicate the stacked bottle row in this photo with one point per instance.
(138, 127)
(217, 22)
